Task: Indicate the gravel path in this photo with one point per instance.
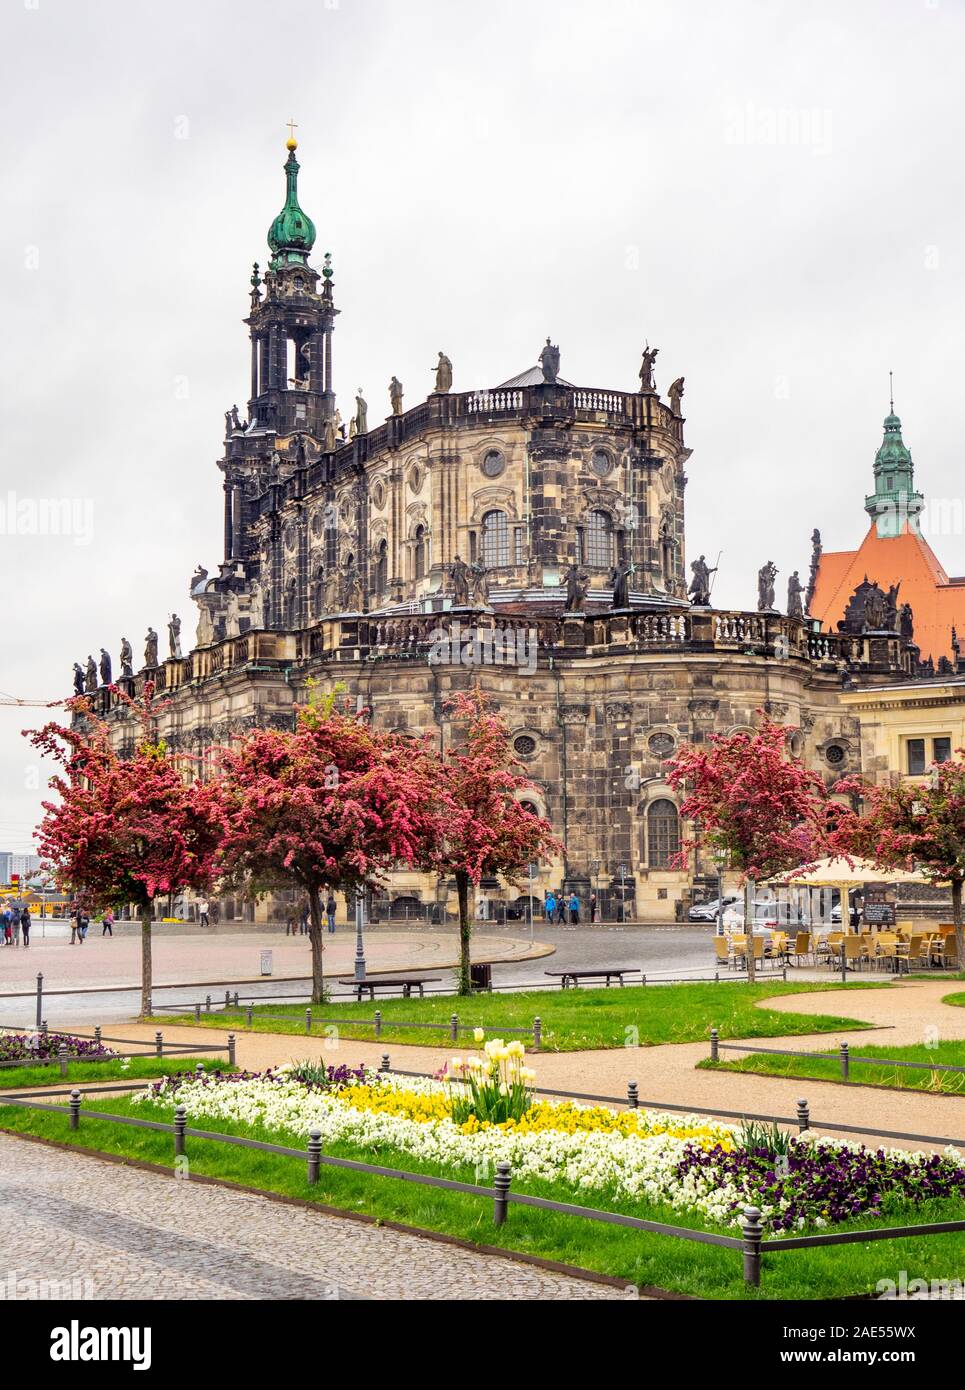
(103, 1230)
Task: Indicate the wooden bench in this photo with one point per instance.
(607, 972)
(407, 983)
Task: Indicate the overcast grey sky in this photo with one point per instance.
(770, 192)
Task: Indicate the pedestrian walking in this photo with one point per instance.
(203, 919)
(82, 925)
(74, 924)
(593, 907)
(560, 908)
(330, 910)
(291, 925)
(574, 910)
(107, 923)
(25, 925)
(550, 908)
(6, 917)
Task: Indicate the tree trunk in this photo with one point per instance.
(750, 893)
(146, 970)
(957, 919)
(465, 931)
(315, 937)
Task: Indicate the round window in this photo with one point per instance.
(525, 746)
(661, 745)
(834, 754)
(290, 536)
(378, 495)
(415, 479)
(318, 523)
(493, 463)
(601, 463)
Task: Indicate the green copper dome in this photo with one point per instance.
(292, 234)
(894, 504)
(892, 450)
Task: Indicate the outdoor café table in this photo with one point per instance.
(614, 972)
(407, 982)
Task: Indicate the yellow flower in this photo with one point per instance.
(478, 1035)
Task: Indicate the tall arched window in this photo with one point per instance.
(599, 540)
(495, 539)
(381, 567)
(419, 553)
(663, 833)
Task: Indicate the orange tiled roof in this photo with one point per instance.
(938, 604)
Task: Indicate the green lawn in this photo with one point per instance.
(137, 1068)
(957, 999)
(573, 1020)
(827, 1067)
(635, 1256)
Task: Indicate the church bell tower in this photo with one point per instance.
(291, 324)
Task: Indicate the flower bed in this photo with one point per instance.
(28, 1047)
(647, 1157)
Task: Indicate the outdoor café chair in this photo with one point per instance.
(803, 948)
(722, 950)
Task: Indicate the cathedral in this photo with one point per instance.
(528, 538)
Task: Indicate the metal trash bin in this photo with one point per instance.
(481, 976)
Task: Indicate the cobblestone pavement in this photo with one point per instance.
(107, 1231)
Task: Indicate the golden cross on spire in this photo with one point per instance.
(292, 127)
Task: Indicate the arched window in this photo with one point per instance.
(419, 553)
(495, 539)
(381, 567)
(599, 540)
(663, 833)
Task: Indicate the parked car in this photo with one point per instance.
(707, 912)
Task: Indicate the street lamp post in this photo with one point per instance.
(720, 859)
(623, 894)
(533, 871)
(359, 938)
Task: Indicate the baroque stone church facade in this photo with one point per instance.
(530, 538)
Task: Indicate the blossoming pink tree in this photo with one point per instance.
(124, 830)
(332, 802)
(763, 807)
(920, 824)
(487, 828)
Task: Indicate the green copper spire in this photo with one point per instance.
(894, 500)
(292, 234)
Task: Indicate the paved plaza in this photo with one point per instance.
(184, 955)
